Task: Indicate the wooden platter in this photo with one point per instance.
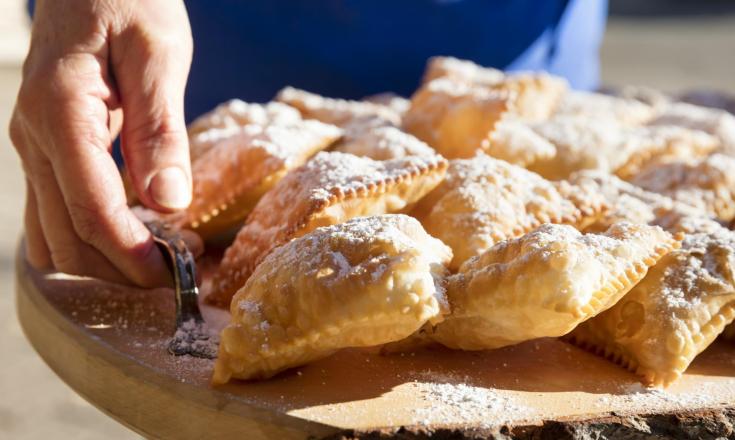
(108, 343)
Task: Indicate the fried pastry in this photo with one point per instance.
(237, 113)
(456, 119)
(381, 143)
(545, 283)
(366, 282)
(591, 106)
(397, 103)
(485, 200)
(339, 112)
(628, 202)
(230, 179)
(604, 144)
(707, 184)
(534, 96)
(718, 123)
(461, 71)
(667, 143)
(229, 118)
(515, 142)
(329, 189)
(664, 322)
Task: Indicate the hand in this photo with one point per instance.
(96, 68)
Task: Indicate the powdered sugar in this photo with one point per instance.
(448, 399)
(382, 143)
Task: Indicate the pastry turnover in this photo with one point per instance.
(397, 103)
(329, 189)
(666, 143)
(671, 316)
(718, 123)
(628, 202)
(707, 184)
(534, 96)
(230, 178)
(485, 200)
(461, 71)
(606, 145)
(454, 118)
(366, 282)
(515, 142)
(381, 143)
(591, 106)
(545, 283)
(339, 112)
(229, 118)
(237, 113)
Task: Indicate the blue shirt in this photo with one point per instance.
(249, 49)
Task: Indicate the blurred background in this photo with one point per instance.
(673, 45)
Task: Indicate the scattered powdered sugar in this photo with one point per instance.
(235, 113)
(382, 143)
(448, 398)
(330, 173)
(641, 399)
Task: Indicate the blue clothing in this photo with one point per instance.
(249, 49)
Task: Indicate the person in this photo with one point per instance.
(97, 69)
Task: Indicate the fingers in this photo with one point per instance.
(76, 143)
(37, 251)
(67, 252)
(151, 70)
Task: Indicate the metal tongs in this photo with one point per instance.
(192, 337)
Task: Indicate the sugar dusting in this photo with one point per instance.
(453, 399)
(638, 398)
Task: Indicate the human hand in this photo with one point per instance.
(97, 68)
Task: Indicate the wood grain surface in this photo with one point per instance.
(108, 342)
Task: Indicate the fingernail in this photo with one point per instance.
(170, 188)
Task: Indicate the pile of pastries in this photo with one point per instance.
(488, 209)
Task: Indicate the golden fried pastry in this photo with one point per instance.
(485, 200)
(667, 143)
(534, 95)
(545, 283)
(461, 71)
(515, 142)
(397, 103)
(381, 143)
(339, 112)
(604, 144)
(229, 118)
(654, 98)
(456, 119)
(718, 123)
(628, 202)
(329, 189)
(707, 184)
(230, 179)
(671, 316)
(591, 106)
(366, 282)
(237, 113)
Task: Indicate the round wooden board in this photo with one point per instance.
(108, 342)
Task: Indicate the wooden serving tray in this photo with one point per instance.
(108, 343)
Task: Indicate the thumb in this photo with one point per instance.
(151, 74)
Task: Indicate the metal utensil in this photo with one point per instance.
(192, 337)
